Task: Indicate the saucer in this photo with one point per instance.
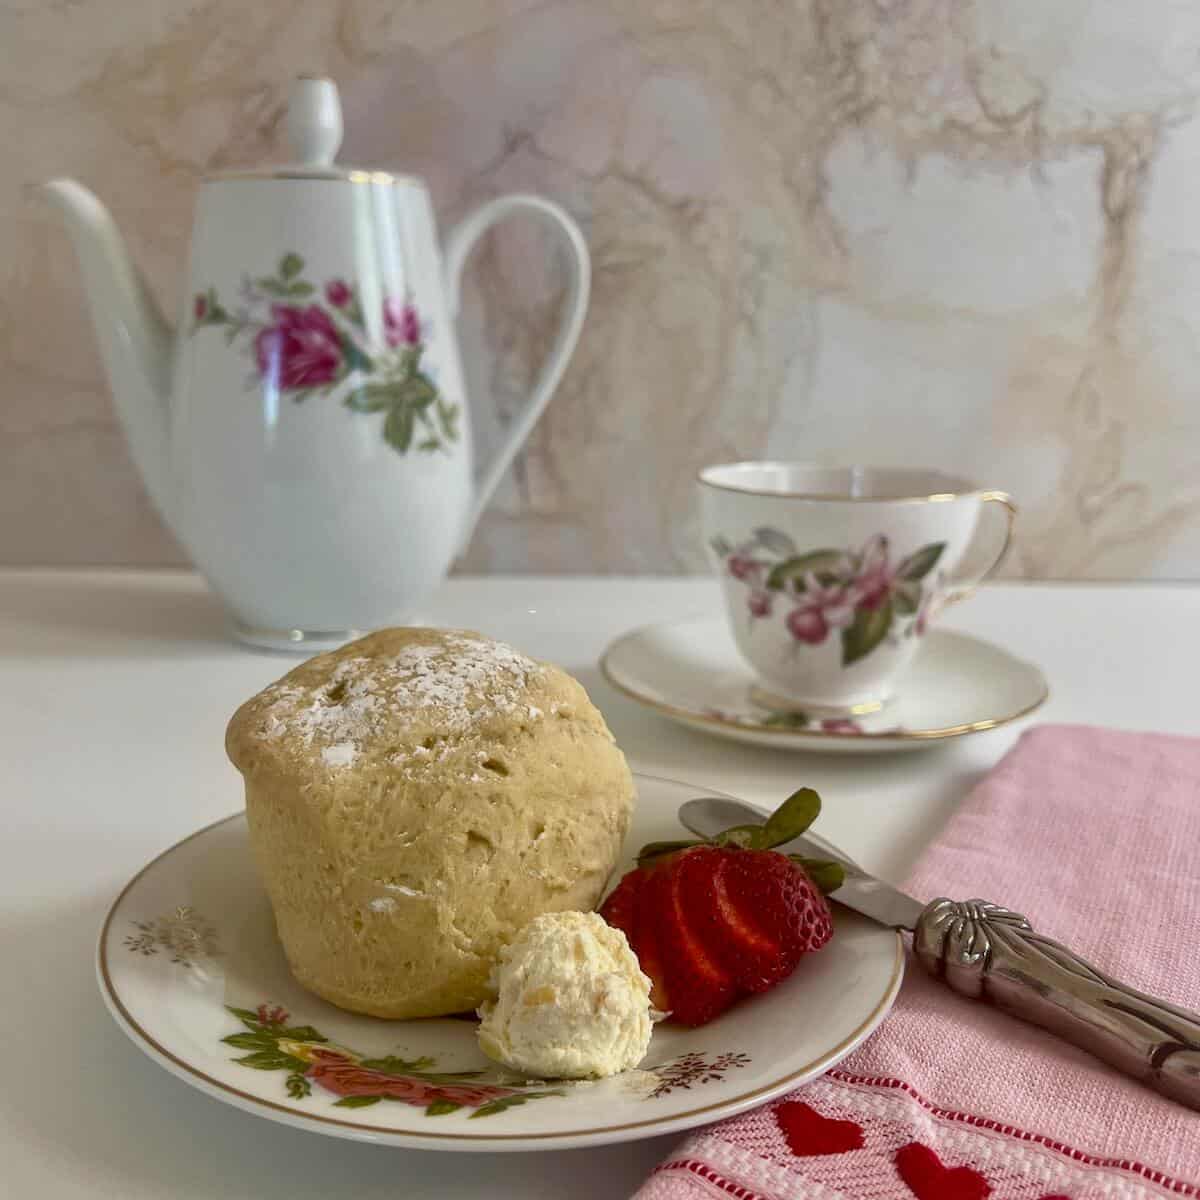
(690, 671)
(191, 969)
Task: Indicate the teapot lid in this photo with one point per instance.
(314, 125)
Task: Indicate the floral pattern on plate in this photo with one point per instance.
(309, 1059)
(183, 935)
(305, 345)
(864, 595)
(689, 1069)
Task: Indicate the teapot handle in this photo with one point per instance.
(457, 248)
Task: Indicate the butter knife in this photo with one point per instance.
(986, 952)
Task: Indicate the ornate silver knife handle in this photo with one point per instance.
(989, 953)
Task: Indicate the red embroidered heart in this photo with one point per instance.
(930, 1179)
(809, 1134)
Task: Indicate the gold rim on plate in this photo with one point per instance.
(248, 1100)
(692, 717)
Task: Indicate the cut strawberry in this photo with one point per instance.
(620, 909)
(700, 986)
(712, 921)
(774, 896)
(625, 910)
(733, 938)
(756, 958)
(647, 947)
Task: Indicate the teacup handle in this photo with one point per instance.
(960, 589)
(456, 249)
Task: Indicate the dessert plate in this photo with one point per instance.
(191, 969)
(691, 672)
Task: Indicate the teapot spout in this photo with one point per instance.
(135, 338)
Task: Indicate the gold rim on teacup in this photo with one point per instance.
(957, 488)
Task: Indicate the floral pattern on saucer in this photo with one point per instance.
(786, 718)
(864, 595)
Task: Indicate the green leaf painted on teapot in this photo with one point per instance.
(355, 359)
(375, 397)
(398, 428)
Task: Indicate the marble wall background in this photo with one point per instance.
(952, 232)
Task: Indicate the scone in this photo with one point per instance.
(414, 799)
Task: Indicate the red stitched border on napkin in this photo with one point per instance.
(1093, 834)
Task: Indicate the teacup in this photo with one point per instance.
(832, 574)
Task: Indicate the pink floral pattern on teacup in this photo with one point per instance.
(866, 595)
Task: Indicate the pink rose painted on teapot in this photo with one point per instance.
(301, 349)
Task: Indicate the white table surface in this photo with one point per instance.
(114, 692)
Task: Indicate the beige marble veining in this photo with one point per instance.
(897, 231)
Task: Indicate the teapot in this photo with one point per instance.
(303, 429)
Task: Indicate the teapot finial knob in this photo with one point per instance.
(314, 121)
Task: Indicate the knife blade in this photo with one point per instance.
(860, 891)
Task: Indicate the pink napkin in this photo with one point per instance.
(1093, 834)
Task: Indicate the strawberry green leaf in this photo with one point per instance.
(827, 875)
(290, 265)
(918, 565)
(439, 1108)
(791, 818)
(298, 1086)
(659, 849)
(745, 837)
(356, 1101)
